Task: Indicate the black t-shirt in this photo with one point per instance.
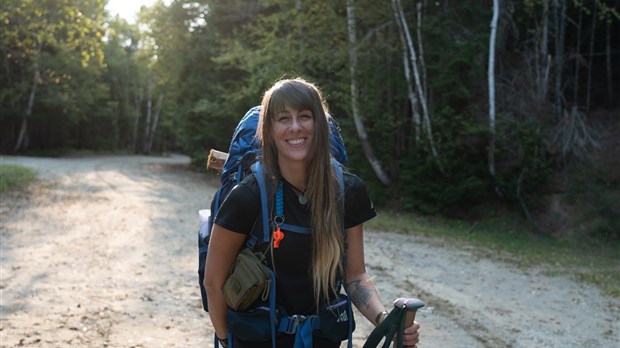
(292, 259)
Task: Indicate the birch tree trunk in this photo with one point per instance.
(610, 87)
(126, 97)
(22, 138)
(147, 123)
(591, 58)
(155, 121)
(418, 83)
(359, 123)
(491, 74)
(419, 8)
(544, 60)
(578, 58)
(560, 20)
(413, 98)
(136, 123)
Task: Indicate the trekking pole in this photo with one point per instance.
(401, 316)
(411, 306)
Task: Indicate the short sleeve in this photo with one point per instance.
(240, 208)
(358, 205)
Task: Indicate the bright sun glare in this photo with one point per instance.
(127, 9)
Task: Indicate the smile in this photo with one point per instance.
(296, 141)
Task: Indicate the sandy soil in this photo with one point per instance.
(101, 252)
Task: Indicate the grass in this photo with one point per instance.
(15, 177)
(596, 263)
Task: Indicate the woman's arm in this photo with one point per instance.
(223, 248)
(362, 290)
(360, 287)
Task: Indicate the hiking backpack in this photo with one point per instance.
(243, 152)
(242, 161)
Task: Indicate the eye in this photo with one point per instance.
(306, 115)
(283, 118)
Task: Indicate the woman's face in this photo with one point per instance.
(292, 133)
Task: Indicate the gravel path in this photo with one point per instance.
(101, 252)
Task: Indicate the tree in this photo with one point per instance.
(491, 74)
(413, 98)
(359, 123)
(421, 92)
(39, 38)
(126, 69)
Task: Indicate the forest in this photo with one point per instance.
(468, 109)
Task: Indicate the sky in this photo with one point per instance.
(127, 9)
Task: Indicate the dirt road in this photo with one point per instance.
(102, 253)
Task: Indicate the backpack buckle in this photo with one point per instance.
(290, 324)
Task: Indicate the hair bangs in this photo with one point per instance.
(292, 94)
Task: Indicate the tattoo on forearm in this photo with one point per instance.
(358, 293)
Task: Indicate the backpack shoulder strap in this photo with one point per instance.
(257, 170)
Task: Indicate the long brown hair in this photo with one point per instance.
(322, 186)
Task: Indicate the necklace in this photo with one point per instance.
(301, 195)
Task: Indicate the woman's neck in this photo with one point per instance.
(294, 173)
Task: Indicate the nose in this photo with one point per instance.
(295, 125)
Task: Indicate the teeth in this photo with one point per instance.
(296, 141)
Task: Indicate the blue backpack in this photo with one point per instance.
(244, 150)
(242, 161)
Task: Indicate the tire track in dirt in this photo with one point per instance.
(472, 327)
(470, 323)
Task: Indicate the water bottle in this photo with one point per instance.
(204, 224)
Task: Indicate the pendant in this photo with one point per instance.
(302, 199)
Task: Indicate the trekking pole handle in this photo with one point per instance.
(411, 305)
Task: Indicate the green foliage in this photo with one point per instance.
(126, 76)
(452, 49)
(456, 51)
(523, 166)
(203, 126)
(52, 52)
(252, 47)
(464, 182)
(598, 216)
(13, 177)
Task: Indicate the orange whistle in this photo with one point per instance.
(277, 237)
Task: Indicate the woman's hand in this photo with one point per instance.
(411, 335)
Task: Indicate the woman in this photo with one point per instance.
(293, 131)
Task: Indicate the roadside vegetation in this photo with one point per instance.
(595, 262)
(15, 177)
